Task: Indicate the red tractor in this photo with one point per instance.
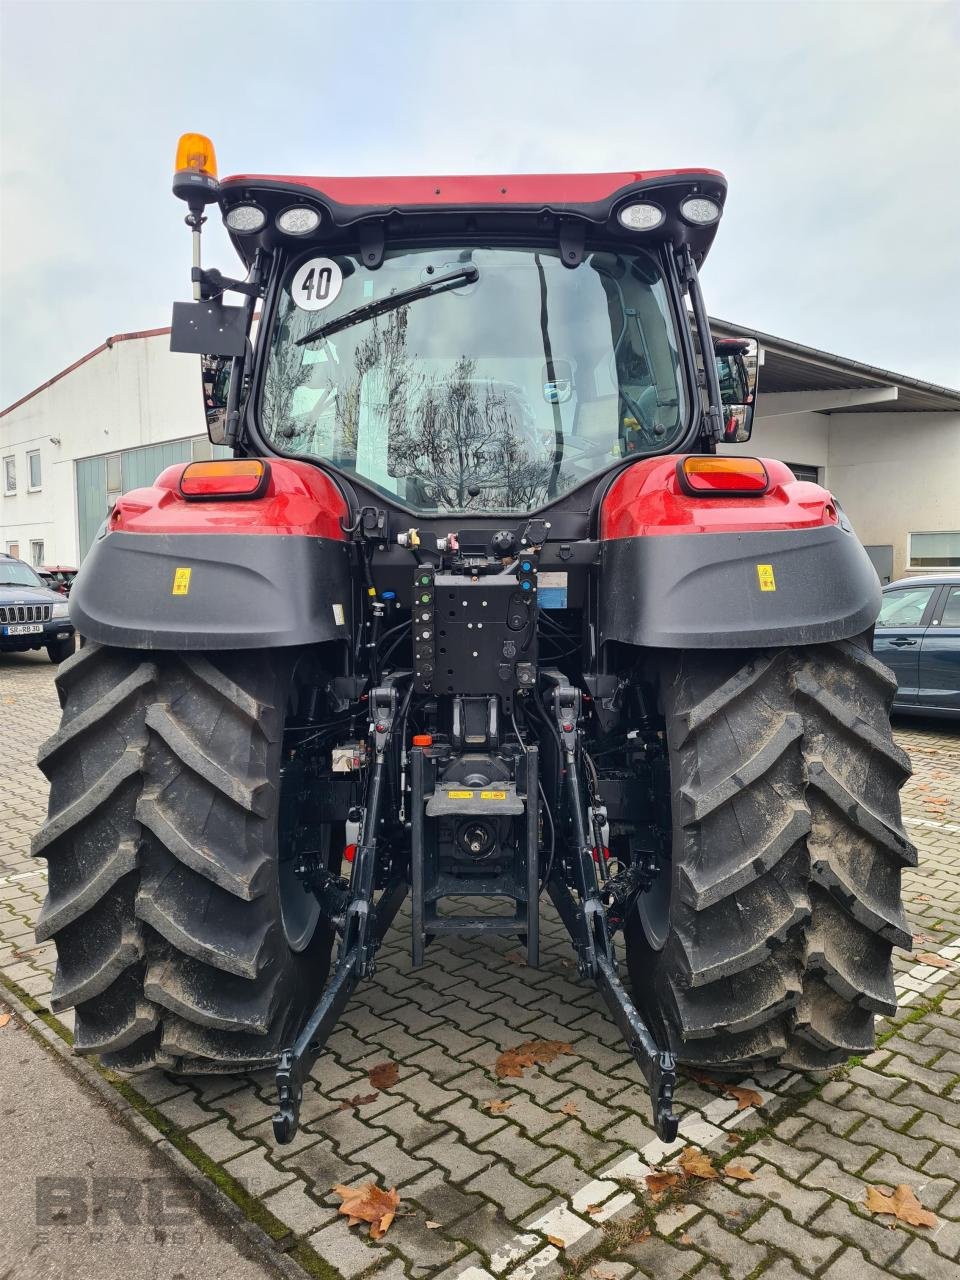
(474, 607)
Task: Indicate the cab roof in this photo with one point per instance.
(529, 201)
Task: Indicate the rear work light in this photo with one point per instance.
(230, 478)
(709, 476)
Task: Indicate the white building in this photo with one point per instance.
(888, 446)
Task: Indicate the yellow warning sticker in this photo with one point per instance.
(765, 576)
(181, 582)
(493, 795)
(460, 795)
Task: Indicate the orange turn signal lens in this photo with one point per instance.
(194, 151)
(422, 740)
(711, 476)
(229, 478)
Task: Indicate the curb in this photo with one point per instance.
(262, 1244)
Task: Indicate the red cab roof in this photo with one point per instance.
(550, 189)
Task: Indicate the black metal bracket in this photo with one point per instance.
(572, 234)
(365, 921)
(213, 283)
(587, 923)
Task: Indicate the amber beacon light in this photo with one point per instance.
(195, 170)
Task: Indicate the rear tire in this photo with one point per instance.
(162, 845)
(773, 944)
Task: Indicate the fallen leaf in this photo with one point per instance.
(593, 1209)
(919, 938)
(658, 1184)
(639, 1238)
(431, 1226)
(604, 1273)
(368, 1203)
(733, 1139)
(570, 1109)
(695, 1164)
(496, 1106)
(922, 897)
(938, 962)
(530, 1054)
(903, 1204)
(4, 1019)
(745, 1097)
(358, 1100)
(739, 1172)
(384, 1075)
(686, 1239)
(557, 1242)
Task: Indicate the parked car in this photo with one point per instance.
(918, 637)
(58, 576)
(32, 616)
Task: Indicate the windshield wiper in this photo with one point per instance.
(466, 275)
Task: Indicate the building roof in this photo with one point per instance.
(105, 345)
(787, 367)
(791, 367)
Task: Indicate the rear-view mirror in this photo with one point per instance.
(215, 374)
(737, 362)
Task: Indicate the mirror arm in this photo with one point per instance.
(713, 423)
(252, 289)
(212, 284)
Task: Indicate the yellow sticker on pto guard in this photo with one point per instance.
(493, 795)
(765, 576)
(460, 795)
(181, 582)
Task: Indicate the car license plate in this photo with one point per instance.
(24, 629)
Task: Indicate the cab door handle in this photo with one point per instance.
(902, 642)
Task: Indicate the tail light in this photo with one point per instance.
(715, 477)
(229, 478)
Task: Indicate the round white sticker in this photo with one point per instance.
(316, 284)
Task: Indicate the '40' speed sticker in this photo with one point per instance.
(316, 284)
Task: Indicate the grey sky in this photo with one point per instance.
(836, 125)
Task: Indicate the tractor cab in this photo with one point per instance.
(467, 346)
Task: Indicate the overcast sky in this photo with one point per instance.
(837, 126)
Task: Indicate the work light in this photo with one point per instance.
(245, 218)
(699, 210)
(641, 217)
(298, 220)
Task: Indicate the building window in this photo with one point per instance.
(804, 472)
(935, 550)
(33, 469)
(13, 549)
(10, 475)
(36, 552)
(114, 474)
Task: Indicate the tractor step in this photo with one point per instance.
(476, 924)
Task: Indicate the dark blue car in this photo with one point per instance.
(32, 616)
(918, 637)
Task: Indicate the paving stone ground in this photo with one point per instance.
(554, 1184)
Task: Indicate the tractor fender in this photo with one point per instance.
(167, 573)
(682, 571)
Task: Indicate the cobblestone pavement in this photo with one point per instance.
(554, 1184)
